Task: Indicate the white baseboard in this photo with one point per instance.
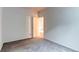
(1, 46)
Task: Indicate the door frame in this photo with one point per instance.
(32, 29)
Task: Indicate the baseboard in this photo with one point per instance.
(1, 45)
(17, 40)
(62, 45)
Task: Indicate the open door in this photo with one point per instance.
(38, 27)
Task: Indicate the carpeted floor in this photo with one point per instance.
(34, 45)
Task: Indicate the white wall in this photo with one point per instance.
(0, 28)
(63, 26)
(15, 23)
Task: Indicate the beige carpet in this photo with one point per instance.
(34, 45)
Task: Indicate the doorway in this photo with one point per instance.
(38, 27)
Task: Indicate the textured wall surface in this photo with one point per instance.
(0, 28)
(15, 23)
(63, 26)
